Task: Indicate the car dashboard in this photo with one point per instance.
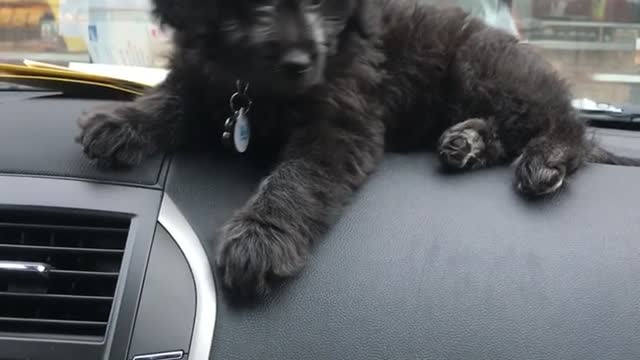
(115, 264)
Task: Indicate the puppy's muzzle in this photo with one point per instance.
(296, 62)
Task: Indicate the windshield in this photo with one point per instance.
(595, 44)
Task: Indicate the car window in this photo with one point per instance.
(595, 44)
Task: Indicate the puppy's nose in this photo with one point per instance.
(296, 62)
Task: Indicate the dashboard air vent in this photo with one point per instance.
(58, 271)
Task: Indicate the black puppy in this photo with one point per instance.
(336, 82)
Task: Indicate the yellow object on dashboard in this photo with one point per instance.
(69, 81)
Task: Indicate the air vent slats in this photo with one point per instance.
(19, 296)
(83, 273)
(78, 257)
(72, 273)
(20, 325)
(62, 227)
(49, 249)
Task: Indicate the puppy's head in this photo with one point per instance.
(282, 46)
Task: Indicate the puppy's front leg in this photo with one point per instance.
(125, 134)
(270, 237)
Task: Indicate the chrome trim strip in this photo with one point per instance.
(171, 355)
(25, 266)
(178, 227)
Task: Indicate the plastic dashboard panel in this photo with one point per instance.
(36, 138)
(421, 265)
(56, 194)
(168, 301)
(41, 166)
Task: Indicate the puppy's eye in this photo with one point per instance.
(316, 3)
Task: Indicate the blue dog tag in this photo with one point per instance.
(237, 131)
(241, 132)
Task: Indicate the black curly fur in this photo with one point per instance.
(386, 74)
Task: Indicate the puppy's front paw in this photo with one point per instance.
(468, 145)
(461, 150)
(253, 255)
(110, 139)
(536, 176)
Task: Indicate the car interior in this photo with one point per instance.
(115, 264)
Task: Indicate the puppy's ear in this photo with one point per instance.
(180, 13)
(367, 17)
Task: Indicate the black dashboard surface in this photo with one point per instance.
(429, 266)
(36, 138)
(421, 265)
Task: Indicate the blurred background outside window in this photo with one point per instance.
(595, 44)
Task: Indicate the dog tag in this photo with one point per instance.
(238, 131)
(241, 132)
